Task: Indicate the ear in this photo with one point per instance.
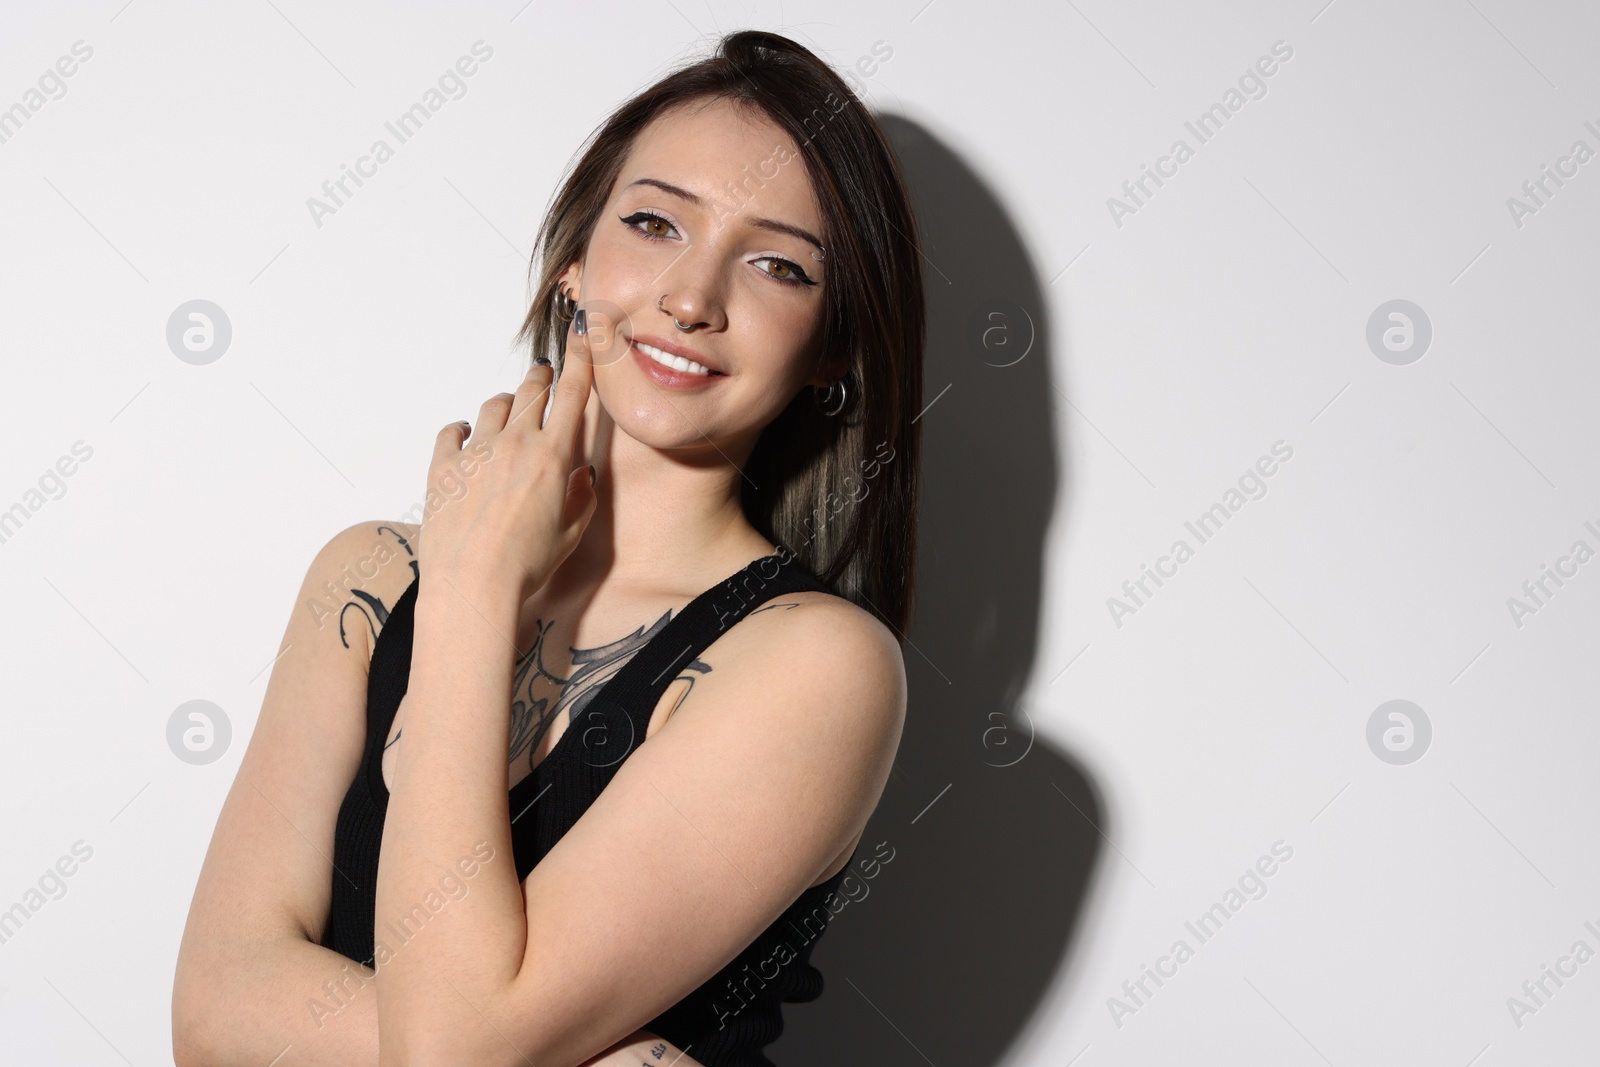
(831, 371)
(572, 280)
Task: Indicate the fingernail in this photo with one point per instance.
(542, 361)
(593, 477)
(580, 323)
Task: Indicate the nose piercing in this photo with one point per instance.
(675, 321)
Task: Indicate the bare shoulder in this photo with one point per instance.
(356, 578)
(819, 652)
(823, 623)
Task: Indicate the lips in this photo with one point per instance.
(673, 351)
(671, 378)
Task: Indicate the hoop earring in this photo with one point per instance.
(825, 401)
(566, 307)
(675, 321)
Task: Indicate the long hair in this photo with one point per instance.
(839, 491)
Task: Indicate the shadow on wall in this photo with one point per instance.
(963, 932)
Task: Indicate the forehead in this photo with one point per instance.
(725, 153)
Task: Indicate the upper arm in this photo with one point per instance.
(268, 871)
(711, 828)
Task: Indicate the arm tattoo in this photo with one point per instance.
(369, 607)
(769, 607)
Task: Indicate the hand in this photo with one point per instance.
(523, 507)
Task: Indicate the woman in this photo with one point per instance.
(706, 544)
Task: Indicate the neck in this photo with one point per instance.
(663, 518)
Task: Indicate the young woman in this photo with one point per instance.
(669, 575)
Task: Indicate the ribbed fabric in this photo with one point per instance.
(729, 1019)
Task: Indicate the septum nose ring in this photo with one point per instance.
(675, 321)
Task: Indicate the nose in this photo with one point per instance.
(691, 303)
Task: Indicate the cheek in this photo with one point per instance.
(620, 268)
(797, 336)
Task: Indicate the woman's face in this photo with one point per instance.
(714, 211)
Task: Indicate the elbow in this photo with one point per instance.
(481, 1039)
(457, 1047)
(444, 1053)
(199, 1018)
(510, 1026)
(190, 1046)
(186, 1055)
(438, 1040)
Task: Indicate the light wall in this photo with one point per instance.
(1089, 764)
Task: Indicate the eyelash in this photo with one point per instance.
(639, 216)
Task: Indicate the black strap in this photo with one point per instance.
(638, 686)
(617, 719)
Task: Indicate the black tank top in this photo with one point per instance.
(728, 1020)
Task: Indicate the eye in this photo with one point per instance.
(784, 271)
(656, 227)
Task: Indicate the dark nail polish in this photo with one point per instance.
(580, 323)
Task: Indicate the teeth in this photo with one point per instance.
(667, 359)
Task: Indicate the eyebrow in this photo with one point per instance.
(772, 225)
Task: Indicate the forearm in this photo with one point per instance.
(449, 797)
(270, 996)
(643, 1049)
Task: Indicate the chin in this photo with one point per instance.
(661, 422)
(682, 424)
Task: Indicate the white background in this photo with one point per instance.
(1227, 313)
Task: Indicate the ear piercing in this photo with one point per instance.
(825, 402)
(565, 305)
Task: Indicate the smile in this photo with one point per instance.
(667, 359)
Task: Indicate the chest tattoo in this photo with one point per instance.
(539, 695)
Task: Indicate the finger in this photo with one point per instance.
(582, 499)
(531, 394)
(572, 390)
(448, 441)
(492, 415)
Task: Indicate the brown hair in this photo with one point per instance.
(840, 491)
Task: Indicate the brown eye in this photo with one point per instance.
(783, 271)
(654, 228)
